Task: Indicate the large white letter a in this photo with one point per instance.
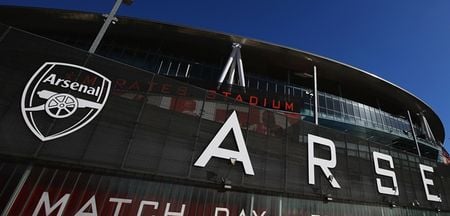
(213, 149)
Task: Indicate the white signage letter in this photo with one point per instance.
(218, 209)
(325, 165)
(427, 182)
(92, 204)
(45, 200)
(144, 203)
(385, 172)
(255, 214)
(168, 213)
(119, 202)
(213, 149)
(242, 213)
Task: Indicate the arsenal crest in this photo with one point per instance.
(61, 98)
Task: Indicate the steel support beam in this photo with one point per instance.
(414, 133)
(240, 68)
(316, 98)
(234, 63)
(105, 26)
(227, 66)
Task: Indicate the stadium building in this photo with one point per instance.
(171, 120)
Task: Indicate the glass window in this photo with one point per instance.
(384, 120)
(298, 92)
(329, 106)
(128, 56)
(344, 106)
(280, 88)
(329, 103)
(139, 58)
(350, 108)
(364, 151)
(251, 83)
(356, 111)
(387, 120)
(196, 71)
(393, 123)
(163, 65)
(362, 111)
(367, 112)
(350, 114)
(271, 87)
(378, 117)
(116, 52)
(352, 146)
(407, 125)
(399, 124)
(337, 108)
(208, 73)
(372, 114)
(288, 90)
(263, 85)
(174, 68)
(322, 103)
(152, 62)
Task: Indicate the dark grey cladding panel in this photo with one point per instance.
(3, 30)
(191, 200)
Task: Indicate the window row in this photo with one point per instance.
(337, 108)
(330, 107)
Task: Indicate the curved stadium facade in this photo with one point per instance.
(170, 120)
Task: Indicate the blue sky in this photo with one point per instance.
(406, 42)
